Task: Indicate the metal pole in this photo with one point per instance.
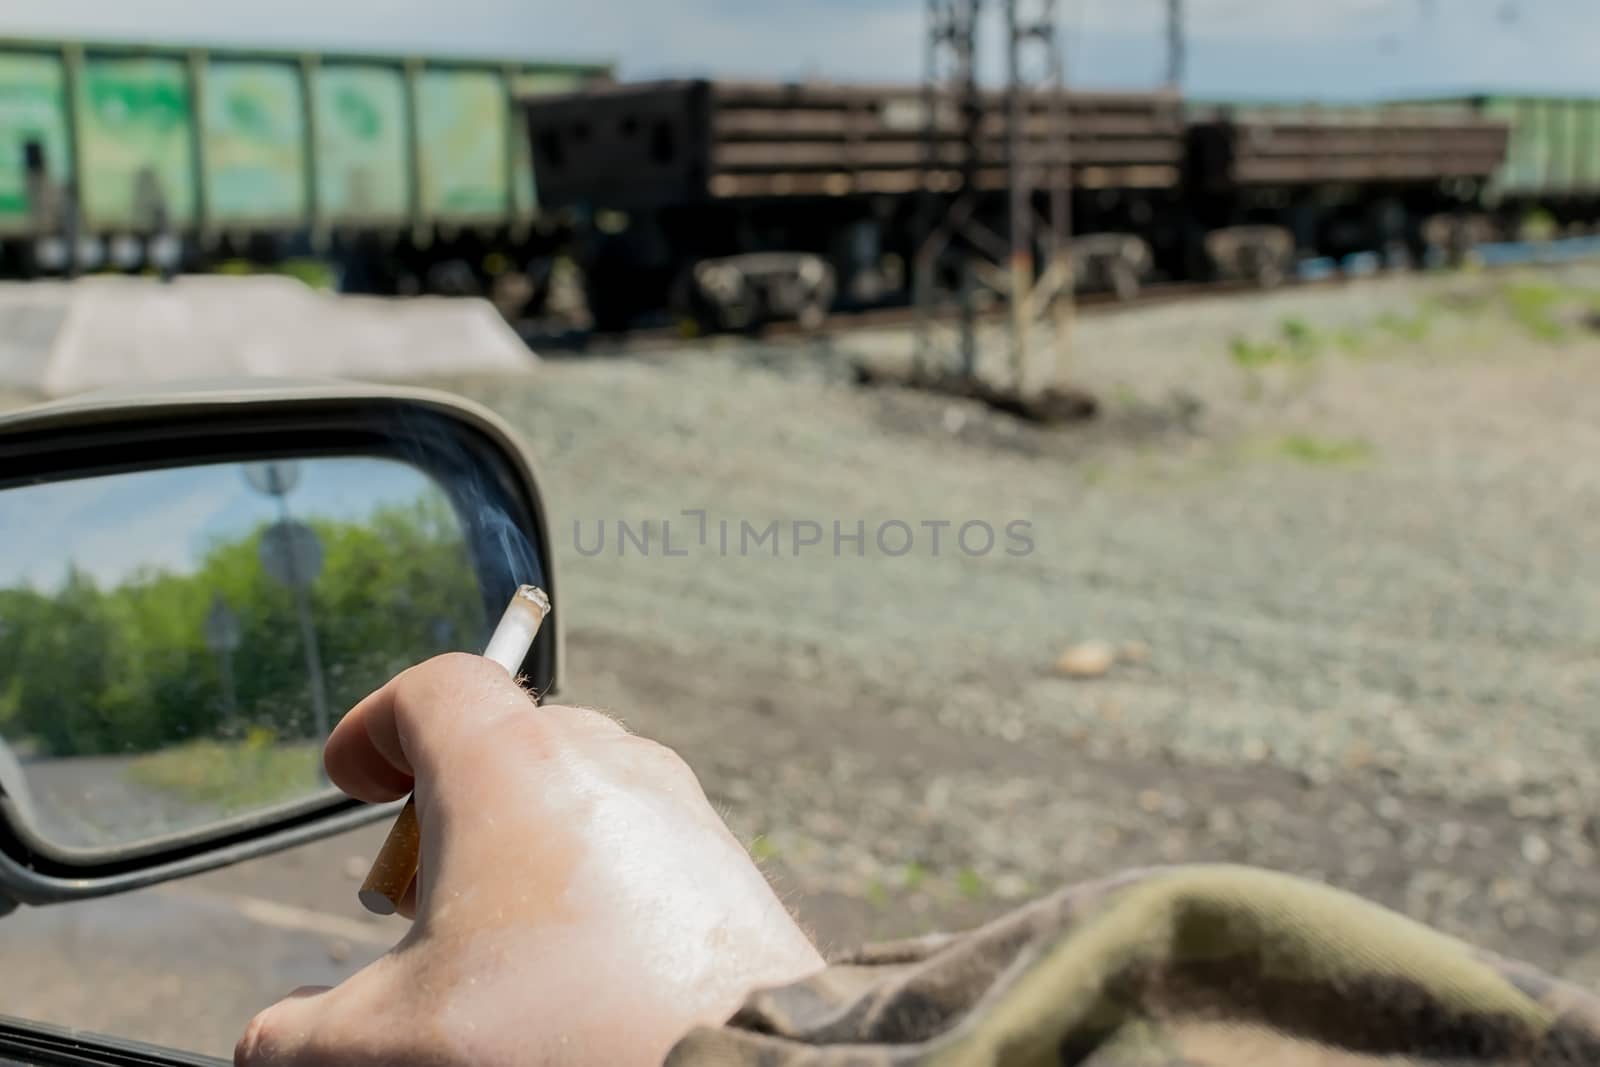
(1175, 44)
(308, 635)
(1061, 200)
(230, 693)
(966, 46)
(924, 266)
(1021, 205)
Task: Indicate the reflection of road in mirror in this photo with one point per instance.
(175, 644)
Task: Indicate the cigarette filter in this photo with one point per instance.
(396, 866)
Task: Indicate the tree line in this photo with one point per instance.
(87, 670)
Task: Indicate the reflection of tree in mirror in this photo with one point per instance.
(129, 669)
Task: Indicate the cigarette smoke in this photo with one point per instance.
(504, 556)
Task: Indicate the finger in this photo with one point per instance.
(360, 770)
(282, 1033)
(375, 750)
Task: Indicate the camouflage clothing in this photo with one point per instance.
(1180, 967)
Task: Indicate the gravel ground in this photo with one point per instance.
(1352, 590)
(1335, 545)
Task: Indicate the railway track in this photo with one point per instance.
(885, 318)
(1492, 257)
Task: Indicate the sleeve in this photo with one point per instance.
(1172, 967)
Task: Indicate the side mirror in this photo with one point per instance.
(196, 583)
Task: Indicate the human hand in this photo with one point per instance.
(579, 901)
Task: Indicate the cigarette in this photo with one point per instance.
(396, 866)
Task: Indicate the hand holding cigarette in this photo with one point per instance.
(396, 866)
(582, 900)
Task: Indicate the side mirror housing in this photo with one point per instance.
(197, 581)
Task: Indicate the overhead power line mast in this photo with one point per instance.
(974, 148)
(1177, 45)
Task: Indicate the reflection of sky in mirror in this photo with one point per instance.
(112, 526)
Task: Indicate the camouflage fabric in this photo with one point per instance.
(1176, 967)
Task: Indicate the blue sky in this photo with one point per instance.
(1274, 48)
(167, 519)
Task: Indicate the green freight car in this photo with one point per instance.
(1552, 166)
(106, 149)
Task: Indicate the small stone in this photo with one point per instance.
(1134, 652)
(1221, 822)
(954, 419)
(338, 951)
(1255, 750)
(1503, 889)
(1390, 808)
(355, 868)
(1150, 802)
(1509, 771)
(1010, 886)
(1535, 849)
(1358, 755)
(1091, 659)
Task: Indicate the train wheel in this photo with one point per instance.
(813, 313)
(1124, 280)
(453, 277)
(1264, 270)
(738, 310)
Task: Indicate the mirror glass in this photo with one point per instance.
(176, 643)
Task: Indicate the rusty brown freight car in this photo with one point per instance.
(1304, 146)
(770, 199)
(688, 141)
(1271, 184)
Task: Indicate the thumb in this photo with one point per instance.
(287, 1032)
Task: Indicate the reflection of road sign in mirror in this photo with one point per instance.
(291, 553)
(222, 626)
(273, 479)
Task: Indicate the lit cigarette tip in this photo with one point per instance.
(509, 644)
(536, 596)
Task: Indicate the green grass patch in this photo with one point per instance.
(1125, 397)
(762, 849)
(1533, 305)
(1252, 355)
(233, 775)
(915, 874)
(970, 884)
(312, 272)
(1324, 451)
(1411, 328)
(1350, 342)
(1300, 338)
